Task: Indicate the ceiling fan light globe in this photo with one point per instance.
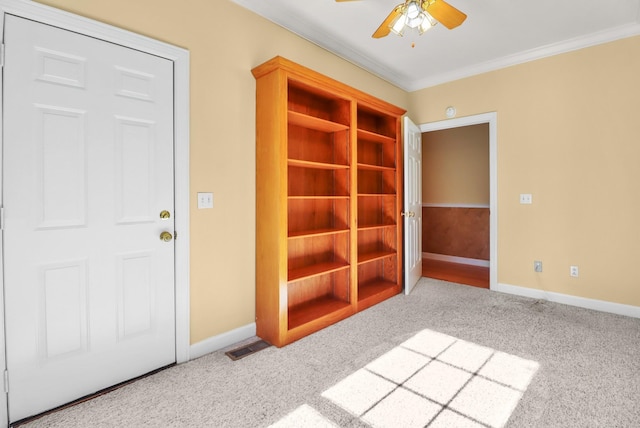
(413, 10)
(430, 19)
(397, 26)
(426, 25)
(416, 22)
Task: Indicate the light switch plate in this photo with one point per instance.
(526, 198)
(205, 200)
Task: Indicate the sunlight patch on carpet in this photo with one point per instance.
(304, 416)
(436, 379)
(433, 380)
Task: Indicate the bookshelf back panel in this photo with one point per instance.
(316, 250)
(317, 146)
(379, 270)
(376, 182)
(373, 153)
(318, 103)
(318, 182)
(376, 210)
(334, 285)
(377, 240)
(309, 215)
(375, 122)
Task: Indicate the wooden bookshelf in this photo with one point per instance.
(328, 201)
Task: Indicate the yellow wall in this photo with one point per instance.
(569, 133)
(455, 165)
(225, 42)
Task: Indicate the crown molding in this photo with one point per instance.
(530, 55)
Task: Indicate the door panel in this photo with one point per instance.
(62, 293)
(88, 167)
(135, 295)
(135, 184)
(61, 179)
(412, 204)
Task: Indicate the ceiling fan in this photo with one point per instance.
(420, 14)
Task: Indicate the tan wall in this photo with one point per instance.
(455, 165)
(225, 42)
(568, 132)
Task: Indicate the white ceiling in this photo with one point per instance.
(496, 34)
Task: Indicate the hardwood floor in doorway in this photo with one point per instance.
(477, 276)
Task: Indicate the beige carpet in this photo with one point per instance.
(445, 356)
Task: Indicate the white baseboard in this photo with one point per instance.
(222, 341)
(582, 302)
(456, 259)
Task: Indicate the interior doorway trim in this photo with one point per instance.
(180, 59)
(492, 119)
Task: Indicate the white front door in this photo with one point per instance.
(88, 168)
(412, 205)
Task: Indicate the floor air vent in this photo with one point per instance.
(246, 350)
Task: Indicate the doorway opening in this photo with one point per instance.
(460, 226)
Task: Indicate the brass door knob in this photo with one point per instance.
(165, 214)
(166, 236)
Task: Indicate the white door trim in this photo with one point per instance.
(492, 119)
(180, 58)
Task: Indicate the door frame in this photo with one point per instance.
(180, 58)
(490, 118)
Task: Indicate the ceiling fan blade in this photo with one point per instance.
(383, 29)
(444, 13)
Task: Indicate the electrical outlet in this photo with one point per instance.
(537, 266)
(573, 271)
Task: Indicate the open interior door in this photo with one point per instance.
(412, 205)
